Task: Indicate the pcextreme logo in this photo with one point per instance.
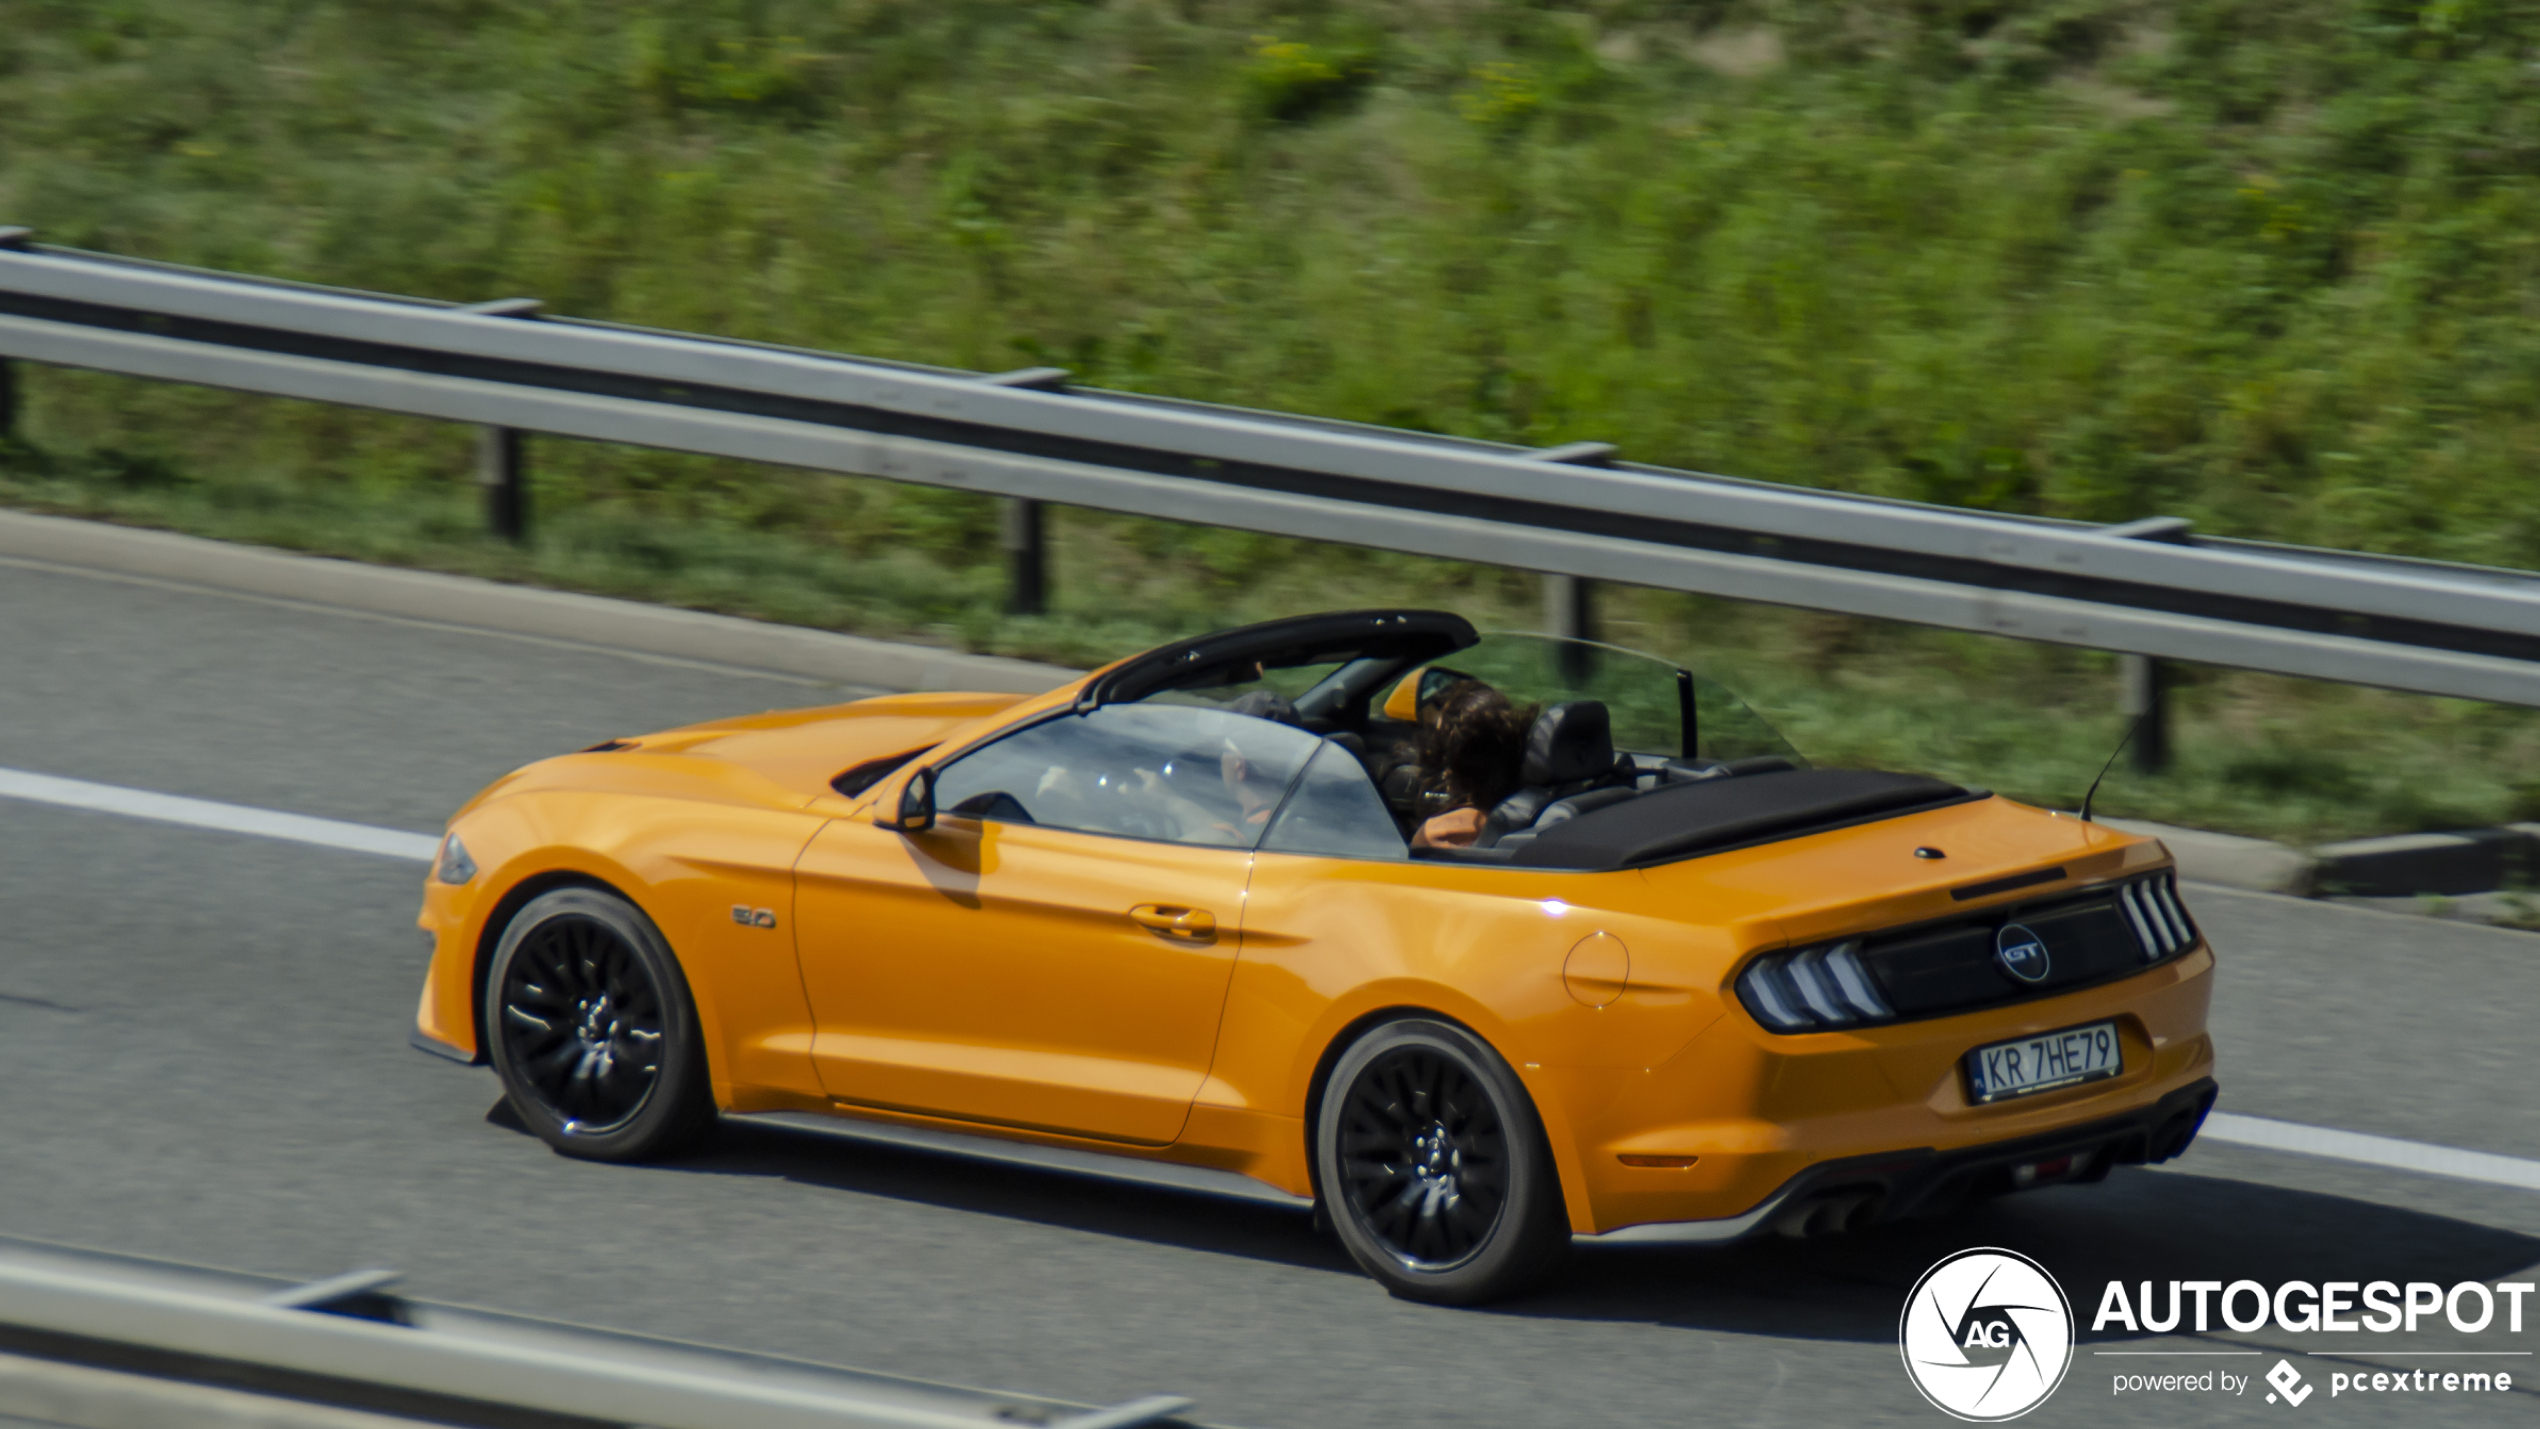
(1987, 1335)
(2288, 1383)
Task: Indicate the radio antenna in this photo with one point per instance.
(2112, 762)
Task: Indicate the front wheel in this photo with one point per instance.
(1433, 1167)
(591, 1030)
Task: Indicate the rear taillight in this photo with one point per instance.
(1812, 988)
(2158, 919)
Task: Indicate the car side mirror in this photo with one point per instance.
(916, 813)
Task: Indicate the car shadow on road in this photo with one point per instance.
(1219, 1225)
(2138, 1225)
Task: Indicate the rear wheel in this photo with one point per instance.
(591, 1029)
(1433, 1168)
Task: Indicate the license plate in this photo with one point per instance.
(2043, 1063)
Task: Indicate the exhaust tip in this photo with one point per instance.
(1829, 1214)
(2175, 1136)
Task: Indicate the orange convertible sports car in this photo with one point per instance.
(1166, 920)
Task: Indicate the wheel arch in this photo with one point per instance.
(1569, 1175)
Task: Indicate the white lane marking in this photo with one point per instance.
(205, 814)
(2272, 1135)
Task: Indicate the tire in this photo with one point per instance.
(591, 1030)
(1433, 1168)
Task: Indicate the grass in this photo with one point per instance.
(2266, 264)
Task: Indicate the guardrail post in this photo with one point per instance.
(2145, 681)
(1569, 612)
(1569, 607)
(1022, 529)
(2147, 699)
(502, 469)
(502, 464)
(1024, 538)
(1569, 602)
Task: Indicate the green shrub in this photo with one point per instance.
(1293, 80)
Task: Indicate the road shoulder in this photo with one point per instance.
(64, 543)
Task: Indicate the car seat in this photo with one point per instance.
(1569, 753)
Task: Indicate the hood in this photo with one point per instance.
(802, 750)
(783, 756)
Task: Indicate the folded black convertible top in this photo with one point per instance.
(1683, 820)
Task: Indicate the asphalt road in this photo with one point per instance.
(202, 1045)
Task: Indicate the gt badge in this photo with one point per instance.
(2021, 953)
(749, 917)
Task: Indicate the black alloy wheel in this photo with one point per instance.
(591, 1030)
(1424, 1158)
(1433, 1165)
(582, 1021)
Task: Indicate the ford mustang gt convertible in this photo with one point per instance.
(1682, 987)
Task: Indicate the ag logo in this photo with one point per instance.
(2021, 953)
(1987, 1335)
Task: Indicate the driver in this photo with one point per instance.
(1252, 793)
(1255, 793)
(1477, 749)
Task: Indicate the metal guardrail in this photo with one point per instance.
(2146, 588)
(349, 1342)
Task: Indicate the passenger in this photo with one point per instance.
(1475, 750)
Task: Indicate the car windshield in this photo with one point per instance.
(1152, 771)
(1648, 698)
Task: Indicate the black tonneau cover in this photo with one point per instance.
(1683, 820)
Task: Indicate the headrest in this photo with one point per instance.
(1266, 704)
(1572, 740)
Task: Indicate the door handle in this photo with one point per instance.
(1183, 925)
